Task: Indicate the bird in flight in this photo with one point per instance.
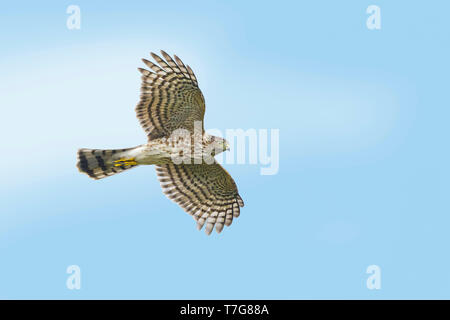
(171, 111)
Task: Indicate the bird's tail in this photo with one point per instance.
(98, 164)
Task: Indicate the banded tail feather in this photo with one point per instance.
(98, 163)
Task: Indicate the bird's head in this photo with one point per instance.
(218, 144)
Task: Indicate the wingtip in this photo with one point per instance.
(155, 56)
(240, 201)
(177, 58)
(209, 228)
(143, 71)
(219, 227)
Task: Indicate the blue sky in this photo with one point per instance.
(363, 180)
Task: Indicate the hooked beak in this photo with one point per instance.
(227, 147)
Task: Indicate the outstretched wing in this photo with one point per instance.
(206, 191)
(170, 97)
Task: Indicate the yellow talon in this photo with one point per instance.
(125, 162)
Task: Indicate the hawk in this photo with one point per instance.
(171, 111)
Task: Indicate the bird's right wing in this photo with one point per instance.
(206, 191)
(170, 97)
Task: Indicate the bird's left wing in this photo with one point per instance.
(206, 191)
(170, 97)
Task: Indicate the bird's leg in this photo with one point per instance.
(125, 162)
